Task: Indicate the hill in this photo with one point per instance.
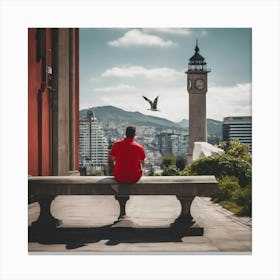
(116, 115)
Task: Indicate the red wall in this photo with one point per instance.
(33, 82)
(40, 105)
(39, 155)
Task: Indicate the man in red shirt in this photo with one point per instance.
(128, 157)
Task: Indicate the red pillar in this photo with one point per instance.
(39, 108)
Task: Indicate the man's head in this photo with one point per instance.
(130, 131)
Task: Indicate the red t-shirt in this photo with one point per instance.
(128, 154)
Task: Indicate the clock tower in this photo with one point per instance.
(197, 88)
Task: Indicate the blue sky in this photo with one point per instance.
(119, 65)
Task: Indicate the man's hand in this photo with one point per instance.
(113, 159)
(142, 163)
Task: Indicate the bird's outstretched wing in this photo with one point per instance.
(155, 103)
(151, 103)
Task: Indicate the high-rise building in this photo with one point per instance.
(172, 143)
(239, 128)
(93, 144)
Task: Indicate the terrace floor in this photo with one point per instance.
(88, 226)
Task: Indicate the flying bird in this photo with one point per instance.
(153, 104)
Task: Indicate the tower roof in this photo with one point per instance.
(197, 62)
(197, 58)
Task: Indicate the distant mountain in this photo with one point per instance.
(215, 127)
(183, 123)
(114, 114)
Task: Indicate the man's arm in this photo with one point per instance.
(112, 156)
(142, 163)
(113, 159)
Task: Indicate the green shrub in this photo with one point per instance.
(171, 170)
(236, 149)
(243, 197)
(168, 160)
(221, 166)
(151, 171)
(233, 170)
(227, 188)
(180, 163)
(231, 206)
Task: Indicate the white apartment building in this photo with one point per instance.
(93, 145)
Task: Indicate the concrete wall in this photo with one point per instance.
(66, 104)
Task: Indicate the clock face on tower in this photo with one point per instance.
(200, 84)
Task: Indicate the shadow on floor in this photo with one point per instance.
(78, 237)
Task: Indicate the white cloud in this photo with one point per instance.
(136, 37)
(173, 31)
(163, 73)
(229, 101)
(173, 101)
(117, 88)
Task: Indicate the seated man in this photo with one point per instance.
(128, 157)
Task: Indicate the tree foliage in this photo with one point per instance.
(244, 197)
(151, 171)
(227, 188)
(236, 149)
(180, 163)
(235, 162)
(167, 160)
(233, 171)
(220, 166)
(230, 191)
(170, 170)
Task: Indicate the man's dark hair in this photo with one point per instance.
(130, 131)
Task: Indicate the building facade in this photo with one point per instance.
(94, 146)
(172, 143)
(239, 128)
(53, 101)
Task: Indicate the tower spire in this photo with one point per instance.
(196, 47)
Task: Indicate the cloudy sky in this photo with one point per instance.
(118, 66)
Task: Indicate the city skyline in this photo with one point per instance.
(120, 65)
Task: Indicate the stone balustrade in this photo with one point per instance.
(185, 188)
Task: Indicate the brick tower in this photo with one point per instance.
(197, 88)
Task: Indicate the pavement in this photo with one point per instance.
(89, 226)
